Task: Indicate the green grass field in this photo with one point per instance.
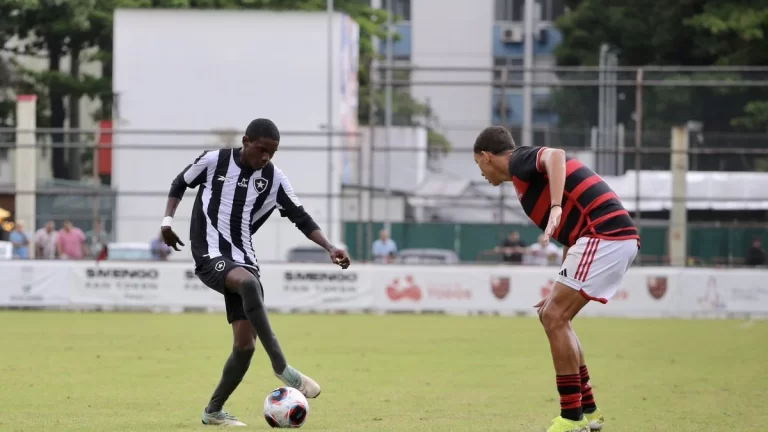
(155, 372)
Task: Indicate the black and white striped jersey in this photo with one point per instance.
(233, 202)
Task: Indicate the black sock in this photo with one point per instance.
(234, 371)
(569, 387)
(253, 304)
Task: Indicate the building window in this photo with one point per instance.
(509, 62)
(552, 10)
(513, 10)
(509, 10)
(401, 8)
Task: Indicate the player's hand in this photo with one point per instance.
(554, 220)
(170, 238)
(340, 257)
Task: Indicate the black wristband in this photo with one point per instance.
(555, 205)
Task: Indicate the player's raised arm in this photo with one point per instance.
(192, 176)
(290, 206)
(552, 161)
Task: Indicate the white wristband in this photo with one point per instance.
(167, 221)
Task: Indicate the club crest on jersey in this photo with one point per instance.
(260, 184)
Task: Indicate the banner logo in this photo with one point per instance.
(500, 286)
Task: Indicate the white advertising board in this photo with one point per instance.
(647, 292)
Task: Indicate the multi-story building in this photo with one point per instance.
(476, 36)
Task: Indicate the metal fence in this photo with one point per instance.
(620, 116)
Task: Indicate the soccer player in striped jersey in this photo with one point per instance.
(573, 205)
(238, 191)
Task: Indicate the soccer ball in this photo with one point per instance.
(286, 407)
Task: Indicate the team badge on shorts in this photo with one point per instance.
(260, 184)
(220, 265)
(500, 286)
(657, 286)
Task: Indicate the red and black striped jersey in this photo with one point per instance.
(590, 207)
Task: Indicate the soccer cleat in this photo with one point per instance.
(560, 424)
(220, 418)
(306, 385)
(595, 420)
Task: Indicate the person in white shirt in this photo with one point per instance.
(541, 255)
(384, 248)
(46, 240)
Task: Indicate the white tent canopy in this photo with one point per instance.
(706, 190)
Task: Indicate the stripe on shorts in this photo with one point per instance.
(587, 258)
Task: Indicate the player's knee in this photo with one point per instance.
(251, 288)
(250, 291)
(552, 318)
(244, 347)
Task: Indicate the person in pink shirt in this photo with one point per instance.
(71, 242)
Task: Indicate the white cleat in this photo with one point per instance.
(221, 418)
(306, 385)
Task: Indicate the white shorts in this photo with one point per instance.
(595, 267)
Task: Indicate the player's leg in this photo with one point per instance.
(556, 315)
(234, 370)
(592, 270)
(588, 405)
(248, 287)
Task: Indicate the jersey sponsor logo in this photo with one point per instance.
(500, 287)
(260, 184)
(243, 182)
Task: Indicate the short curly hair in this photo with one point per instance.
(495, 140)
(262, 128)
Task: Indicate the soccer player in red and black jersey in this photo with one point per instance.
(573, 205)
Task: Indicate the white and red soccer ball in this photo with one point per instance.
(286, 407)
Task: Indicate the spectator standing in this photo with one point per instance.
(512, 249)
(71, 242)
(755, 254)
(384, 248)
(541, 255)
(97, 238)
(46, 241)
(159, 249)
(20, 241)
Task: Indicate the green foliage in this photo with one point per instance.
(755, 118)
(649, 32)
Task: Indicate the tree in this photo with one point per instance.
(11, 12)
(55, 28)
(648, 32)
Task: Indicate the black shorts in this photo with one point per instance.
(213, 273)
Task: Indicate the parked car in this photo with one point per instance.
(129, 252)
(310, 254)
(427, 256)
